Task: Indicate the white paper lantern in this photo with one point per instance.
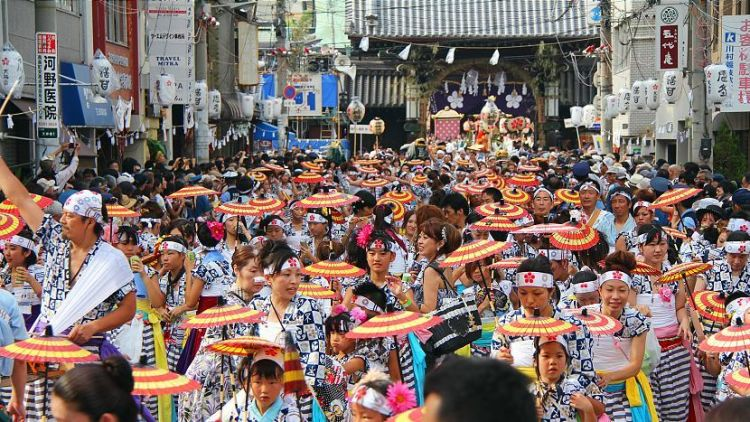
(611, 106)
(201, 95)
(638, 97)
(652, 94)
(576, 115)
(589, 115)
(277, 102)
(103, 76)
(671, 86)
(624, 97)
(11, 70)
(717, 83)
(268, 110)
(214, 104)
(166, 90)
(247, 105)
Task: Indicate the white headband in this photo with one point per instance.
(591, 185)
(150, 221)
(738, 224)
(624, 194)
(292, 262)
(315, 218)
(737, 308)
(22, 242)
(737, 247)
(86, 204)
(556, 254)
(173, 246)
(366, 303)
(585, 287)
(615, 275)
(557, 339)
(641, 239)
(543, 189)
(641, 204)
(276, 222)
(371, 399)
(535, 279)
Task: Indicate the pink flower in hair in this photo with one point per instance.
(358, 314)
(363, 237)
(401, 398)
(338, 310)
(217, 230)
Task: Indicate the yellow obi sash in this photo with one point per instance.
(529, 371)
(143, 306)
(633, 395)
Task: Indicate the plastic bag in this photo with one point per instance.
(130, 340)
(652, 355)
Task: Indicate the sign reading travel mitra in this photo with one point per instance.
(48, 111)
(169, 29)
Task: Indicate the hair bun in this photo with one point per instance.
(620, 261)
(122, 374)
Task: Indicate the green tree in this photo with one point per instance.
(729, 158)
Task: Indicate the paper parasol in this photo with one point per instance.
(474, 251)
(686, 269)
(482, 173)
(523, 180)
(735, 338)
(308, 177)
(312, 166)
(710, 305)
(157, 381)
(495, 222)
(498, 181)
(368, 162)
(515, 196)
(478, 189)
(10, 225)
(273, 167)
(115, 210)
(740, 380)
(393, 324)
(546, 229)
(242, 346)
(333, 269)
(536, 327)
(528, 168)
(674, 233)
(568, 195)
(584, 237)
(374, 183)
(41, 201)
(47, 350)
(316, 291)
(267, 204)
(415, 162)
(419, 179)
(261, 170)
(258, 177)
(397, 207)
(368, 170)
(223, 315)
(413, 415)
(192, 191)
(674, 196)
(509, 263)
(400, 195)
(461, 188)
(510, 211)
(598, 323)
(327, 200)
(234, 208)
(641, 268)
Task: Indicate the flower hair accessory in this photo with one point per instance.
(363, 237)
(401, 398)
(338, 310)
(216, 229)
(358, 315)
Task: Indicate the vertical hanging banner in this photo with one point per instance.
(735, 54)
(169, 29)
(671, 36)
(48, 115)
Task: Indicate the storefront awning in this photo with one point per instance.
(80, 107)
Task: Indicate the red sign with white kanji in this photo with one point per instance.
(669, 53)
(447, 129)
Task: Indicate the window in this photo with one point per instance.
(117, 21)
(68, 5)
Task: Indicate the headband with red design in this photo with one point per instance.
(292, 262)
(615, 275)
(535, 279)
(585, 287)
(738, 247)
(379, 244)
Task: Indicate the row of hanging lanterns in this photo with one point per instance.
(583, 116)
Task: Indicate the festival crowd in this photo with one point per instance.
(393, 223)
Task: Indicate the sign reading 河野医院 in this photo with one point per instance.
(48, 113)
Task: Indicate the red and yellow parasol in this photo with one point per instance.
(598, 323)
(686, 269)
(273, 167)
(261, 170)
(223, 315)
(674, 196)
(47, 350)
(711, 305)
(508, 264)
(157, 381)
(415, 162)
(372, 162)
(641, 268)
(258, 177)
(242, 346)
(10, 225)
(498, 181)
(233, 208)
(312, 166)
(330, 199)
(495, 222)
(41, 201)
(461, 187)
(266, 204)
(674, 233)
(115, 210)
(547, 229)
(191, 192)
(368, 170)
(308, 177)
(528, 168)
(740, 380)
(478, 189)
(393, 324)
(568, 195)
(474, 251)
(377, 182)
(510, 211)
(584, 237)
(332, 269)
(400, 195)
(733, 339)
(483, 173)
(523, 180)
(419, 179)
(515, 196)
(316, 291)
(397, 207)
(536, 327)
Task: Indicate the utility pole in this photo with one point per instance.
(202, 133)
(605, 73)
(282, 69)
(700, 117)
(45, 19)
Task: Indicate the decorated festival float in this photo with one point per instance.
(490, 117)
